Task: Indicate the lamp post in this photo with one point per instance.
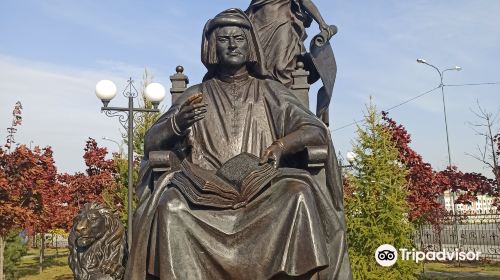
(441, 85)
(106, 91)
(351, 158)
(120, 148)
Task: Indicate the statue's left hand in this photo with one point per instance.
(273, 154)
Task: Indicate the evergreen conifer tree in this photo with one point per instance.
(14, 250)
(376, 206)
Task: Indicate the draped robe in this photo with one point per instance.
(280, 25)
(295, 226)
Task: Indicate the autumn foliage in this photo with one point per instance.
(81, 188)
(426, 185)
(468, 185)
(36, 198)
(27, 189)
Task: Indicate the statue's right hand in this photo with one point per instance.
(191, 111)
(330, 30)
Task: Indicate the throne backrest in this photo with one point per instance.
(300, 86)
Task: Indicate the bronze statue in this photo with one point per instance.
(238, 200)
(97, 245)
(280, 25)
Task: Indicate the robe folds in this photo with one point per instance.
(280, 25)
(294, 227)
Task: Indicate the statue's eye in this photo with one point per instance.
(240, 39)
(222, 39)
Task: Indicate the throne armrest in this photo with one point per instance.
(316, 156)
(162, 162)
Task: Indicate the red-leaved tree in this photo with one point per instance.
(27, 190)
(468, 185)
(81, 188)
(424, 184)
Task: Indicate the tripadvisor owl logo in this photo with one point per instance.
(386, 255)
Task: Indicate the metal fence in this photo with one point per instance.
(477, 232)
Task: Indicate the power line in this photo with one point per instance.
(418, 96)
(347, 125)
(473, 84)
(391, 108)
(411, 99)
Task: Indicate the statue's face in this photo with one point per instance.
(232, 46)
(89, 228)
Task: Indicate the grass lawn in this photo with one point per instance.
(466, 271)
(33, 252)
(53, 267)
(487, 268)
(57, 268)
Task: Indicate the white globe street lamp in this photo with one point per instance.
(155, 93)
(351, 157)
(106, 91)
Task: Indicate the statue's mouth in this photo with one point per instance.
(84, 241)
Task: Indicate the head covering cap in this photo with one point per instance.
(232, 17)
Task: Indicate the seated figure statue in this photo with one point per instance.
(240, 205)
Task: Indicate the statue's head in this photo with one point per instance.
(97, 244)
(90, 224)
(230, 41)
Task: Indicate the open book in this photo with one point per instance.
(232, 186)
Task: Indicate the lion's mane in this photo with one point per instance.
(107, 255)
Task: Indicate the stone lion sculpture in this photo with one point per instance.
(97, 243)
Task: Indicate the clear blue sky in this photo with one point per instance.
(53, 52)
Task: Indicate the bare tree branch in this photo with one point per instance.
(480, 159)
(485, 128)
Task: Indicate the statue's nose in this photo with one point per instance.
(232, 43)
(81, 226)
